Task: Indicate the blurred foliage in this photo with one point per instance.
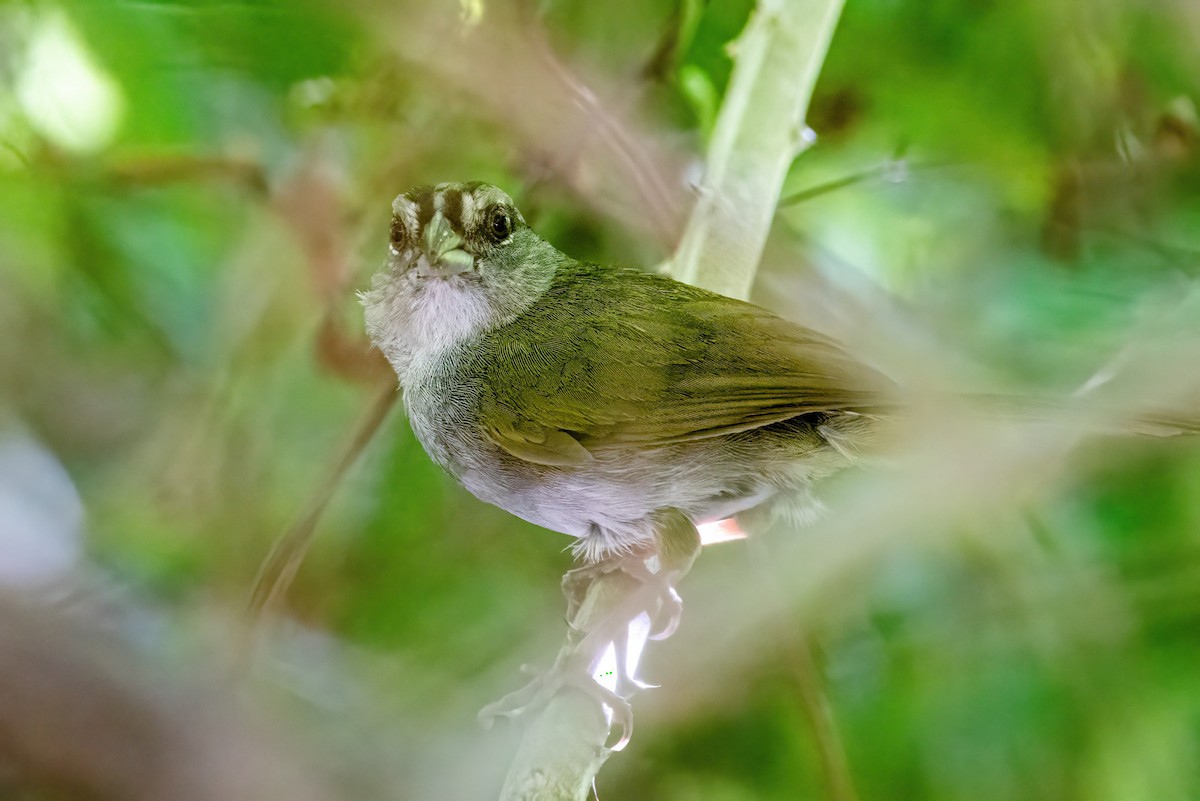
(190, 192)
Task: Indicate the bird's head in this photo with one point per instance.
(456, 229)
(461, 259)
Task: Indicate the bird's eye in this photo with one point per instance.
(397, 235)
(499, 224)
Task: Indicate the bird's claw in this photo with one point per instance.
(537, 693)
(665, 617)
(576, 583)
(603, 599)
(671, 608)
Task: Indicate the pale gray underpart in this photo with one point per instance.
(608, 504)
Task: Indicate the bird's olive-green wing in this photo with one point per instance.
(662, 366)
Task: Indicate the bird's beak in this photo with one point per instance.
(441, 250)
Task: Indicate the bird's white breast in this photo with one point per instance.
(416, 323)
(443, 317)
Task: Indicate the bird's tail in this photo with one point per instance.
(1150, 423)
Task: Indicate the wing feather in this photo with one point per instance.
(575, 376)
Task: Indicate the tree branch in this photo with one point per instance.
(564, 747)
(758, 134)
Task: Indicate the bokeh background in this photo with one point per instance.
(1004, 195)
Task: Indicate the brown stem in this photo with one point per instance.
(279, 568)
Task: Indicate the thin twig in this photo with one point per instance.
(830, 186)
(21, 157)
(893, 170)
(279, 568)
(814, 702)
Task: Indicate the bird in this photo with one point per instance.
(586, 398)
(617, 406)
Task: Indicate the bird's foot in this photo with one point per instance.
(577, 582)
(664, 609)
(604, 600)
(572, 669)
(666, 617)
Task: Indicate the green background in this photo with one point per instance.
(178, 328)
